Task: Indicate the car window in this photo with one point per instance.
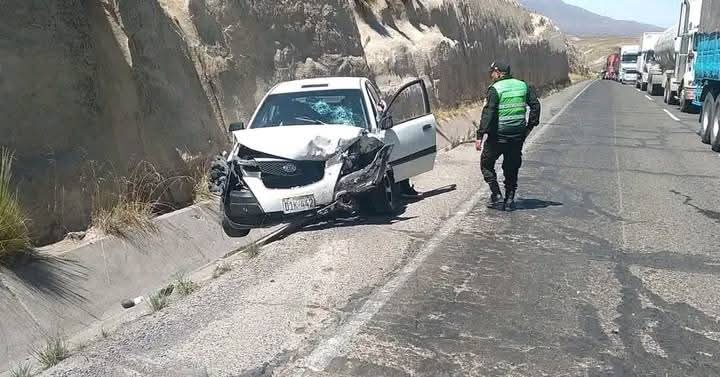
(409, 104)
(337, 107)
(629, 58)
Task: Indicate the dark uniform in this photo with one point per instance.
(505, 121)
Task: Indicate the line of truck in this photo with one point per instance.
(682, 64)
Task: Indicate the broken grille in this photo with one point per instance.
(283, 174)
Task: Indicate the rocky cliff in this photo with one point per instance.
(89, 83)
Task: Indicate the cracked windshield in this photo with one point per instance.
(333, 188)
(344, 107)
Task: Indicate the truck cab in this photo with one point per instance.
(683, 78)
(628, 63)
(646, 64)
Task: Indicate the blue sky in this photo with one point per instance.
(661, 12)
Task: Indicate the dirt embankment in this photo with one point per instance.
(92, 86)
(596, 50)
(452, 44)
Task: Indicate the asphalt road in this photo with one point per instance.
(607, 268)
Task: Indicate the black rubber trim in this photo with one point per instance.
(415, 156)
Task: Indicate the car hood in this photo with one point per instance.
(309, 143)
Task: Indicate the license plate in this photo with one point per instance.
(298, 204)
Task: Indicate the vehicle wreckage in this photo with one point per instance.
(319, 145)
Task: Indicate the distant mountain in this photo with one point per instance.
(574, 20)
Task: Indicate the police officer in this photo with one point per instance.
(507, 125)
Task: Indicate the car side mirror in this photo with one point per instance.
(237, 126)
(386, 122)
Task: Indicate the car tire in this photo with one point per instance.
(707, 118)
(385, 198)
(232, 232)
(715, 126)
(644, 86)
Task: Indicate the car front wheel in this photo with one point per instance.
(385, 198)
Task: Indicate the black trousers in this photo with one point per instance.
(512, 160)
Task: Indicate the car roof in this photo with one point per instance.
(325, 83)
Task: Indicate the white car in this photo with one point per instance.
(320, 143)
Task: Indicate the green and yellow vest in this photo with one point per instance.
(512, 109)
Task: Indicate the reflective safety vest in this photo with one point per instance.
(512, 108)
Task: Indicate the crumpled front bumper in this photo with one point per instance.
(258, 206)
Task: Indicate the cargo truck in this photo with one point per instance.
(707, 73)
(646, 60)
(675, 55)
(628, 63)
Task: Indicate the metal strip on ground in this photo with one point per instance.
(337, 345)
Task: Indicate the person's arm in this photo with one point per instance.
(535, 108)
(489, 113)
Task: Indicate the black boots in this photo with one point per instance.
(495, 201)
(509, 204)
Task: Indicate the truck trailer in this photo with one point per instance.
(707, 73)
(628, 63)
(612, 67)
(646, 60)
(675, 55)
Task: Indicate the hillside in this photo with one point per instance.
(577, 21)
(595, 50)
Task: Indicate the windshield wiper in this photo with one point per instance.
(312, 121)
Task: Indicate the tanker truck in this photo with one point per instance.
(707, 73)
(674, 54)
(646, 59)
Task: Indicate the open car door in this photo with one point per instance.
(410, 127)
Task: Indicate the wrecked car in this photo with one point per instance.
(323, 144)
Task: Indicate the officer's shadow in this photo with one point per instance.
(522, 204)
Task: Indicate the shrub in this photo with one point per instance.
(53, 352)
(14, 234)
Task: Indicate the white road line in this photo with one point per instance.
(671, 115)
(638, 90)
(339, 344)
(649, 98)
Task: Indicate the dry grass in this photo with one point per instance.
(53, 352)
(200, 177)
(184, 285)
(448, 113)
(21, 370)
(157, 301)
(126, 204)
(197, 167)
(14, 233)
